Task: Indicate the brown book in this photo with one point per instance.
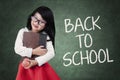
(33, 40)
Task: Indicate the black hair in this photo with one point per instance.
(47, 15)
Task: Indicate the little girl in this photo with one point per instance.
(41, 20)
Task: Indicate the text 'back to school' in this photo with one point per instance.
(86, 41)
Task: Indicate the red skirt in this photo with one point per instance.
(44, 72)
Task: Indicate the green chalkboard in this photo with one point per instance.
(87, 37)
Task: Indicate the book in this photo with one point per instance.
(34, 40)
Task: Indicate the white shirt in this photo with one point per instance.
(24, 51)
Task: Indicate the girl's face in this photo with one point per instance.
(37, 22)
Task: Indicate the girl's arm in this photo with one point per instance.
(48, 56)
(19, 48)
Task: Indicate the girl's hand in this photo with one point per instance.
(39, 51)
(27, 63)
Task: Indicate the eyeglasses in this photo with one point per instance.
(39, 22)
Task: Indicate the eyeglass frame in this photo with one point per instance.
(39, 22)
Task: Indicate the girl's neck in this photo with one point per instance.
(34, 31)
